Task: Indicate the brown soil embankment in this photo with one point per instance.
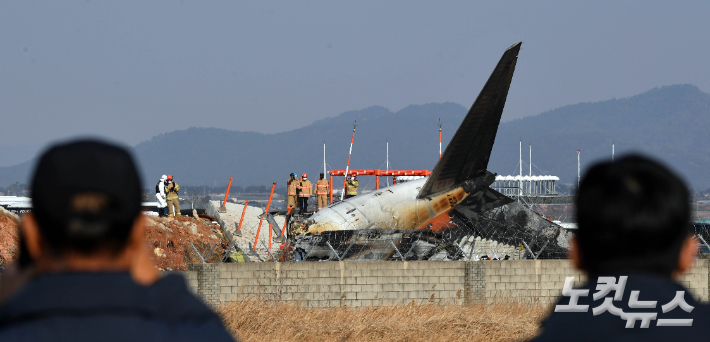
(169, 239)
(9, 236)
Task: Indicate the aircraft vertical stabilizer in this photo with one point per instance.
(467, 155)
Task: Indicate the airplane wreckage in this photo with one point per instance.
(451, 215)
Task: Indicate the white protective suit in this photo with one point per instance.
(161, 195)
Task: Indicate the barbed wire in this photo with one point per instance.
(501, 233)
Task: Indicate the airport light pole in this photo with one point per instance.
(345, 181)
(578, 151)
(439, 138)
(520, 162)
(387, 161)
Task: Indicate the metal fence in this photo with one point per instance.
(501, 233)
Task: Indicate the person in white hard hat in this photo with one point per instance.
(160, 195)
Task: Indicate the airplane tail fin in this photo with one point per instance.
(467, 154)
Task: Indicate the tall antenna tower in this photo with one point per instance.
(578, 152)
(520, 162)
(347, 168)
(387, 161)
(439, 138)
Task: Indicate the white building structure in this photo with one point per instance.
(526, 185)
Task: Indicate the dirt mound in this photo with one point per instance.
(170, 240)
(9, 236)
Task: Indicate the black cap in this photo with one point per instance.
(86, 167)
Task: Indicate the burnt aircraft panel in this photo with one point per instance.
(510, 225)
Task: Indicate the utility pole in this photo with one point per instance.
(612, 151)
(520, 161)
(578, 151)
(387, 161)
(530, 161)
(439, 138)
(324, 167)
(347, 168)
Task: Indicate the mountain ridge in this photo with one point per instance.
(668, 122)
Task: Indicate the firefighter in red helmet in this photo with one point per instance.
(306, 192)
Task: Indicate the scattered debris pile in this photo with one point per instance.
(172, 239)
(9, 236)
(250, 225)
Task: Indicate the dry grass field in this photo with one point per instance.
(255, 320)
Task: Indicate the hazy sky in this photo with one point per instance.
(129, 70)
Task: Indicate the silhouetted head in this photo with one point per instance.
(322, 175)
(86, 196)
(634, 217)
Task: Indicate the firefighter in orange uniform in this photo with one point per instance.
(291, 190)
(322, 188)
(298, 192)
(352, 185)
(171, 191)
(306, 192)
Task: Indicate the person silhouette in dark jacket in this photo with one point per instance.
(84, 272)
(634, 240)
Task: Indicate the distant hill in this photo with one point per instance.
(671, 123)
(208, 156)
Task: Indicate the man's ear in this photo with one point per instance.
(142, 267)
(688, 252)
(32, 236)
(574, 255)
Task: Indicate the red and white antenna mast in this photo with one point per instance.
(439, 138)
(345, 181)
(578, 152)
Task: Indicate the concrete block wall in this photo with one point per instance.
(345, 283)
(475, 283)
(541, 281)
(329, 284)
(528, 281)
(208, 281)
(696, 280)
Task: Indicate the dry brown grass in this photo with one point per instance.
(254, 320)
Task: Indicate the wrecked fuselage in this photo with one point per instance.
(391, 224)
(394, 207)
